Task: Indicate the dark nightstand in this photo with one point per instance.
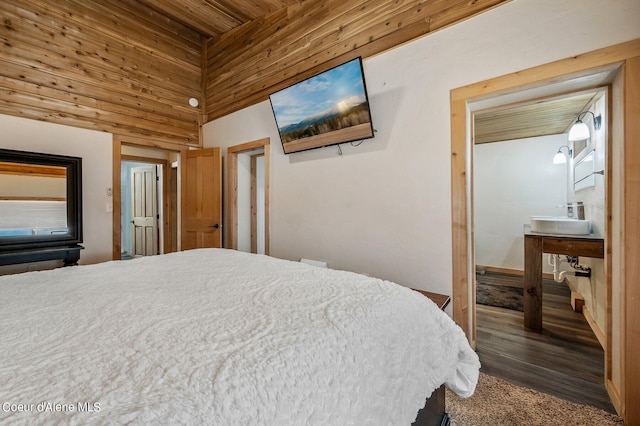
(439, 299)
(435, 410)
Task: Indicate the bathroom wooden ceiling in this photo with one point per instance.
(214, 17)
(539, 118)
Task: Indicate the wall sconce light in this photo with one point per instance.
(193, 102)
(580, 131)
(560, 158)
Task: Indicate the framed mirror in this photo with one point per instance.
(40, 200)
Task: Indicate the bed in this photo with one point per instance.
(215, 336)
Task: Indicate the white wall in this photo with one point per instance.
(260, 207)
(512, 181)
(384, 208)
(95, 149)
(139, 151)
(594, 289)
(244, 202)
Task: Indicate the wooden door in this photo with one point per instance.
(201, 188)
(144, 208)
(173, 211)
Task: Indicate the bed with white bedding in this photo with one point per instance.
(215, 336)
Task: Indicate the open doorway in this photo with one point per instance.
(248, 196)
(255, 213)
(147, 201)
(141, 189)
(515, 177)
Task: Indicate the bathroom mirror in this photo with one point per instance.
(40, 200)
(584, 173)
(578, 147)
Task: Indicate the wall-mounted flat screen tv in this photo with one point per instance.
(327, 109)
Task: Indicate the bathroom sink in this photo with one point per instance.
(559, 225)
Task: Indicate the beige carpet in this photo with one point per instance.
(497, 402)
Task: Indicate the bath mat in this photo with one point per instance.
(501, 296)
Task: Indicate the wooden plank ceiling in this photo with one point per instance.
(540, 118)
(215, 17)
(108, 65)
(128, 67)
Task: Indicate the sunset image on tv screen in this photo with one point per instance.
(330, 108)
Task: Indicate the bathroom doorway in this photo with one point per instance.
(621, 62)
(515, 177)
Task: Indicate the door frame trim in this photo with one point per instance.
(232, 190)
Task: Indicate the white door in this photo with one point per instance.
(144, 206)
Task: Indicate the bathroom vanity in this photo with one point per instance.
(535, 244)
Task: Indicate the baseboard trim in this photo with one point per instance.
(577, 299)
(594, 326)
(614, 394)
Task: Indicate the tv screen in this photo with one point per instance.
(327, 109)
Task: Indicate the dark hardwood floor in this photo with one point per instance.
(564, 360)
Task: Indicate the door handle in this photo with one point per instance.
(216, 226)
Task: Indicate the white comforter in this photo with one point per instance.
(223, 338)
